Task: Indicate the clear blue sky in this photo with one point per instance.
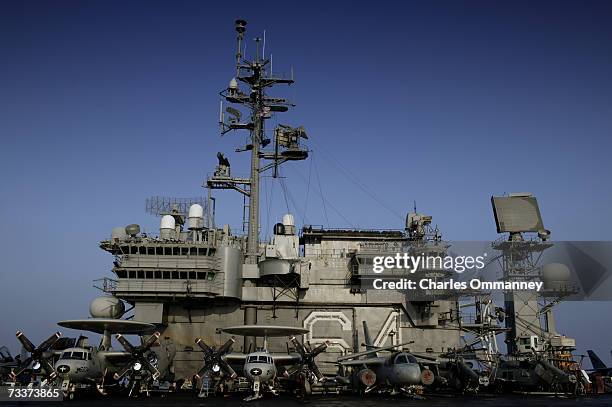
(103, 104)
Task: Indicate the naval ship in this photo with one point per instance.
(194, 279)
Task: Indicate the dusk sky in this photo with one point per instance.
(105, 103)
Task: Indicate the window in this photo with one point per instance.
(142, 250)
(175, 275)
(150, 251)
(401, 359)
(65, 355)
(140, 274)
(158, 274)
(166, 275)
(184, 251)
(183, 275)
(159, 251)
(132, 273)
(78, 356)
(121, 273)
(149, 273)
(192, 275)
(252, 359)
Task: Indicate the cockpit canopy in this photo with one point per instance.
(76, 354)
(259, 359)
(404, 358)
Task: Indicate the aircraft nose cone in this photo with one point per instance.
(410, 374)
(256, 371)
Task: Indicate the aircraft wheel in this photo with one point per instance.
(71, 396)
(307, 388)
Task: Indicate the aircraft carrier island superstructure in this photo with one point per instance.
(195, 279)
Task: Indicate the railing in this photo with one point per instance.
(105, 284)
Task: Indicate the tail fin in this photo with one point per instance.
(595, 361)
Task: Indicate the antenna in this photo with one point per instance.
(166, 205)
(253, 74)
(263, 51)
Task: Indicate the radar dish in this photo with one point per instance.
(265, 330)
(518, 213)
(100, 325)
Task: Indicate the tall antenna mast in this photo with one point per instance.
(253, 75)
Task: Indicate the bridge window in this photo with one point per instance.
(149, 273)
(175, 275)
(150, 251)
(166, 275)
(192, 275)
(158, 274)
(132, 273)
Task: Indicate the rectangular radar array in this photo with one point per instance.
(517, 213)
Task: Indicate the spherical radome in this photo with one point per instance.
(106, 307)
(555, 272)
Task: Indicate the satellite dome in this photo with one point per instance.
(167, 222)
(196, 216)
(106, 307)
(233, 84)
(555, 272)
(119, 233)
(132, 229)
(288, 220)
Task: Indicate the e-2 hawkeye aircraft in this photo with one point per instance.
(261, 367)
(103, 367)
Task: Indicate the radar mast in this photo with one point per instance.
(256, 76)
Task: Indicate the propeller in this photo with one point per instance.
(39, 355)
(139, 357)
(213, 358)
(308, 357)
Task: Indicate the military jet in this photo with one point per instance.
(86, 366)
(8, 363)
(260, 366)
(397, 370)
(598, 365)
